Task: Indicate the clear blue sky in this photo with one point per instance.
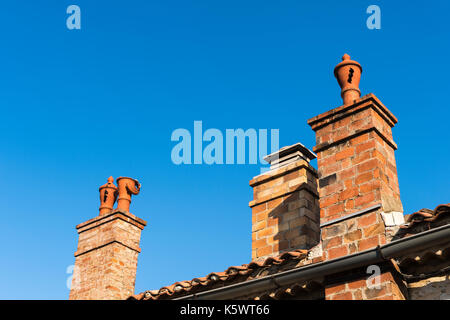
(81, 105)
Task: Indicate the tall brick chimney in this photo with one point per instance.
(285, 209)
(108, 248)
(358, 184)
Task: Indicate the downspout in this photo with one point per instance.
(372, 256)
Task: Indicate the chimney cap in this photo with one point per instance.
(109, 184)
(289, 154)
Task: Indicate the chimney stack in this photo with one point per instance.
(285, 209)
(108, 247)
(358, 184)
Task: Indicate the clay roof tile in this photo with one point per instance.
(427, 215)
(230, 273)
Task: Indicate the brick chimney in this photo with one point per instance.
(358, 184)
(108, 248)
(285, 209)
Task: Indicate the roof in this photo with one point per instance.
(427, 215)
(423, 220)
(417, 222)
(431, 260)
(235, 274)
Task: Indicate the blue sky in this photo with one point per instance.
(81, 105)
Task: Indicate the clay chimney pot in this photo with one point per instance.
(108, 195)
(127, 187)
(348, 75)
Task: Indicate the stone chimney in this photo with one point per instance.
(108, 247)
(358, 184)
(285, 207)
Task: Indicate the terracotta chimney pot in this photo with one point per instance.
(127, 187)
(108, 195)
(348, 75)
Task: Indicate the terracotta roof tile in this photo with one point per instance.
(427, 262)
(427, 215)
(232, 273)
(311, 289)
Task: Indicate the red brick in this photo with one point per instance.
(353, 236)
(326, 161)
(357, 125)
(346, 153)
(374, 229)
(349, 205)
(365, 146)
(360, 157)
(368, 165)
(348, 194)
(335, 289)
(357, 294)
(365, 199)
(346, 163)
(348, 183)
(328, 201)
(372, 293)
(364, 177)
(264, 251)
(342, 296)
(335, 209)
(259, 225)
(274, 203)
(333, 242)
(367, 220)
(369, 186)
(368, 243)
(378, 155)
(259, 243)
(272, 221)
(259, 208)
(360, 139)
(337, 252)
(341, 123)
(357, 284)
(261, 216)
(330, 169)
(265, 232)
(330, 189)
(292, 175)
(348, 173)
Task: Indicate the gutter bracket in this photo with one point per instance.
(272, 278)
(380, 253)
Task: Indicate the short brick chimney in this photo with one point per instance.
(108, 248)
(358, 182)
(285, 207)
